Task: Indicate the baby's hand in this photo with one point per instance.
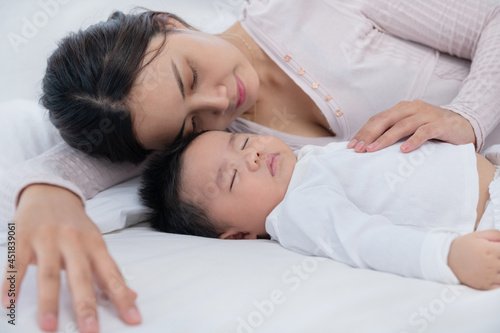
(475, 259)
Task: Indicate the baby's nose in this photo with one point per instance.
(253, 159)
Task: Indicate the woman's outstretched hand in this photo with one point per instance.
(475, 259)
(419, 120)
(54, 233)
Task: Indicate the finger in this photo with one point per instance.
(11, 284)
(377, 125)
(496, 282)
(134, 294)
(104, 293)
(495, 245)
(15, 270)
(48, 280)
(399, 130)
(421, 135)
(113, 285)
(373, 128)
(491, 235)
(79, 276)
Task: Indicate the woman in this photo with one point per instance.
(308, 74)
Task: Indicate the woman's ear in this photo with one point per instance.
(234, 235)
(165, 20)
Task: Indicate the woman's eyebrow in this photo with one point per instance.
(179, 79)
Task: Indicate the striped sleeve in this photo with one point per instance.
(468, 29)
(65, 167)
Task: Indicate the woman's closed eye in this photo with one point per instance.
(195, 77)
(193, 123)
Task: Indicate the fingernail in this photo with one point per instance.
(132, 316)
(49, 322)
(372, 146)
(351, 143)
(405, 146)
(359, 147)
(90, 324)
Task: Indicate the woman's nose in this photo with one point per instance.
(213, 99)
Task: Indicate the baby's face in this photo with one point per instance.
(238, 178)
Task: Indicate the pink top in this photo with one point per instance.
(354, 59)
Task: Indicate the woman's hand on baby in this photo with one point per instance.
(54, 233)
(419, 120)
(475, 259)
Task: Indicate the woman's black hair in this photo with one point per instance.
(88, 80)
(160, 191)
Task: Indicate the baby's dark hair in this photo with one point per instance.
(161, 189)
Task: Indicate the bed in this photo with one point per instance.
(191, 284)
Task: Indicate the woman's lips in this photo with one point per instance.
(242, 92)
(272, 163)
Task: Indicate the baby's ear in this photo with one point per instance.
(165, 20)
(233, 235)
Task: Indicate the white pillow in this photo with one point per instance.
(26, 132)
(117, 207)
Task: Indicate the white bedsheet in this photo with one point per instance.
(190, 284)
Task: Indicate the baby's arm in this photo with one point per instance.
(475, 259)
(329, 224)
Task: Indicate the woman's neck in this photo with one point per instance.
(237, 36)
(271, 77)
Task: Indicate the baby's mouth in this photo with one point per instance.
(272, 163)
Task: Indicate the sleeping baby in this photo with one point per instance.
(429, 214)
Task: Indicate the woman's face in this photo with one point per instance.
(197, 82)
